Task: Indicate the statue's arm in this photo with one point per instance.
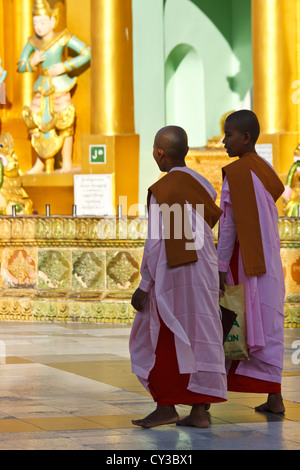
(24, 64)
(83, 57)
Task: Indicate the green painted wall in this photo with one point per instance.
(233, 20)
(149, 83)
(192, 63)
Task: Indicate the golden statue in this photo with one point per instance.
(291, 195)
(11, 193)
(215, 142)
(51, 116)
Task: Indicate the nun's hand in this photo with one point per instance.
(138, 299)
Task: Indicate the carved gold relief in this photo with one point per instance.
(62, 311)
(209, 163)
(5, 232)
(123, 270)
(54, 269)
(69, 229)
(58, 269)
(88, 270)
(58, 228)
(290, 256)
(28, 231)
(291, 266)
(76, 311)
(19, 267)
(17, 229)
(43, 228)
(12, 192)
(82, 229)
(15, 310)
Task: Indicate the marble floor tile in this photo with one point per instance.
(70, 387)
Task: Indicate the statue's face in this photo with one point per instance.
(43, 25)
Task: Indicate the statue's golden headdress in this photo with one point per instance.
(42, 8)
(297, 151)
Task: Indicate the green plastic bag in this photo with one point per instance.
(235, 345)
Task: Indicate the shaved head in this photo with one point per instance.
(174, 141)
(245, 121)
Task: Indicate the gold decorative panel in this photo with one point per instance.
(289, 230)
(54, 269)
(88, 270)
(69, 269)
(122, 270)
(19, 267)
(84, 269)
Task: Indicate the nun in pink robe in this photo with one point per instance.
(186, 301)
(264, 294)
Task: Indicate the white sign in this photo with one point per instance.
(265, 151)
(93, 195)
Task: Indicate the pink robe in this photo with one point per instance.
(187, 299)
(265, 294)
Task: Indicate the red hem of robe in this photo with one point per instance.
(241, 383)
(167, 385)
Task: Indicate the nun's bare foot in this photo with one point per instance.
(274, 404)
(162, 415)
(198, 417)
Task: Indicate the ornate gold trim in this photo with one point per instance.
(62, 37)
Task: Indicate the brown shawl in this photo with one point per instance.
(178, 187)
(245, 206)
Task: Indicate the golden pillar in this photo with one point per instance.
(276, 64)
(16, 26)
(16, 21)
(112, 102)
(23, 28)
(276, 60)
(112, 67)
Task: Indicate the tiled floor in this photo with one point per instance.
(70, 387)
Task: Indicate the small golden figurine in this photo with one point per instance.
(11, 193)
(215, 142)
(51, 116)
(291, 195)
